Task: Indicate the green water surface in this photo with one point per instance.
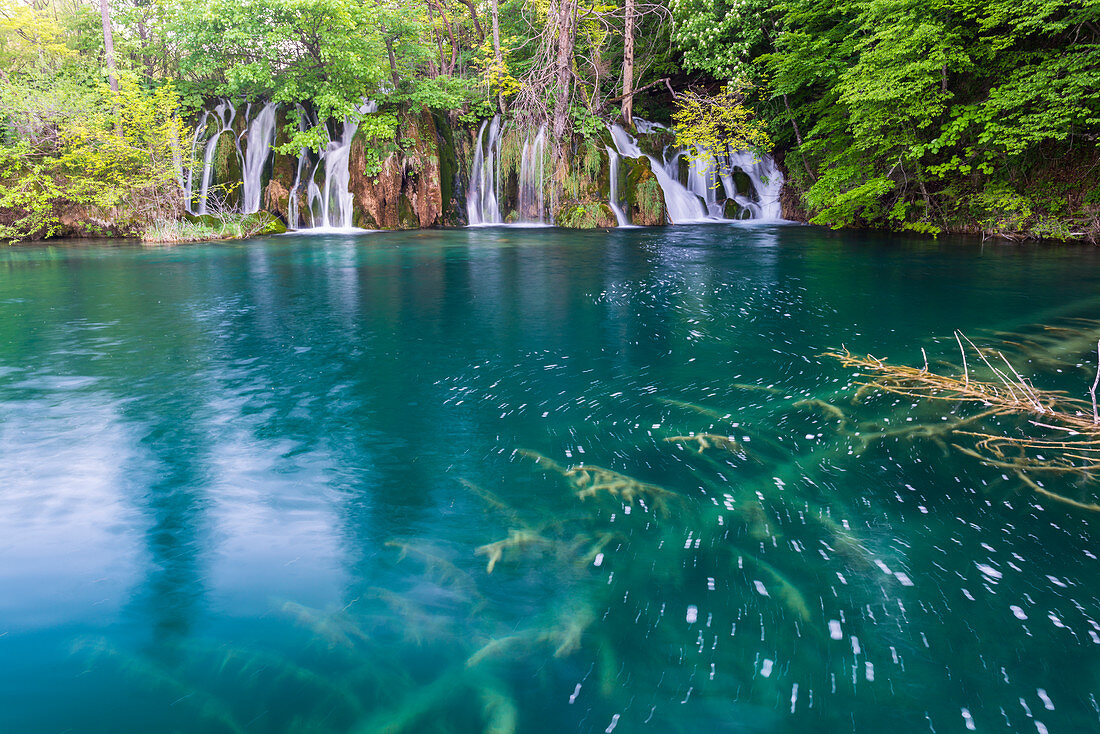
(258, 487)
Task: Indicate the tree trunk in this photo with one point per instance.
(564, 68)
(448, 66)
(109, 45)
(473, 15)
(394, 76)
(497, 59)
(628, 66)
(562, 132)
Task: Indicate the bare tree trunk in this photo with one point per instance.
(433, 71)
(448, 66)
(112, 74)
(564, 68)
(109, 45)
(628, 65)
(563, 78)
(498, 60)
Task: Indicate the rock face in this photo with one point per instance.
(407, 192)
(416, 180)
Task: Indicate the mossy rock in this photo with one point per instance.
(643, 197)
(654, 143)
(363, 219)
(744, 184)
(732, 210)
(263, 223)
(450, 178)
(406, 214)
(585, 215)
(227, 168)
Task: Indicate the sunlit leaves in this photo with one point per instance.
(709, 125)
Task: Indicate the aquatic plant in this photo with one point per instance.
(1054, 433)
(706, 441)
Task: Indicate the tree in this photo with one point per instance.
(628, 64)
(109, 45)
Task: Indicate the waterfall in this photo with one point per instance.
(225, 113)
(292, 215)
(683, 206)
(532, 180)
(260, 137)
(331, 203)
(187, 175)
(766, 179)
(704, 181)
(708, 177)
(613, 198)
(482, 206)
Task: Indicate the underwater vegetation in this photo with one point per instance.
(1004, 420)
(704, 571)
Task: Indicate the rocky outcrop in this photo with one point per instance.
(590, 215)
(407, 192)
(645, 202)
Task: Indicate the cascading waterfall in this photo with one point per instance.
(330, 204)
(704, 182)
(708, 178)
(482, 206)
(613, 198)
(532, 181)
(187, 175)
(260, 136)
(224, 113)
(700, 195)
(766, 179)
(292, 215)
(683, 206)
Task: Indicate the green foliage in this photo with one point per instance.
(27, 189)
(589, 215)
(377, 131)
(895, 110)
(706, 124)
(721, 36)
(496, 76)
(116, 160)
(230, 226)
(586, 124)
(327, 54)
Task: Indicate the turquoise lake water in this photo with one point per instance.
(259, 486)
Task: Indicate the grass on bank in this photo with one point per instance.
(206, 228)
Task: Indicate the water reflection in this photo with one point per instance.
(522, 481)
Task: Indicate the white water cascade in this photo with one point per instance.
(482, 206)
(224, 115)
(683, 206)
(187, 175)
(532, 179)
(259, 136)
(766, 179)
(613, 198)
(710, 182)
(330, 204)
(292, 214)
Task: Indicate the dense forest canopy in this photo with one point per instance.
(908, 114)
